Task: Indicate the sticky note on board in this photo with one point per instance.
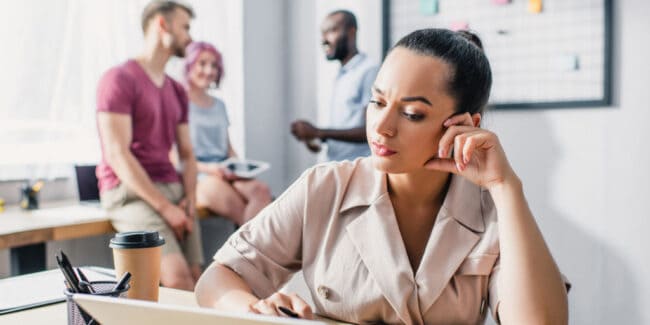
(567, 62)
(459, 25)
(428, 7)
(535, 6)
(500, 2)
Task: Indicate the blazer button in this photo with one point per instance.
(323, 291)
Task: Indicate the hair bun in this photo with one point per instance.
(471, 37)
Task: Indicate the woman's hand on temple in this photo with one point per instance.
(292, 301)
(477, 153)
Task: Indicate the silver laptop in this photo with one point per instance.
(109, 311)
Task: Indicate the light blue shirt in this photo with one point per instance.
(350, 96)
(209, 131)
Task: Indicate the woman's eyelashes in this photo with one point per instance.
(413, 116)
(376, 103)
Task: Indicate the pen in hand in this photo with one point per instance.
(288, 312)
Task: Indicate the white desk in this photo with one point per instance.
(25, 232)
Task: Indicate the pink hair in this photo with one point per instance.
(192, 53)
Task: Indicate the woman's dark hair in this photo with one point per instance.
(471, 76)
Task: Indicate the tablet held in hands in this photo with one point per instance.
(245, 168)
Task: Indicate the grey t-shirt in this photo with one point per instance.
(209, 131)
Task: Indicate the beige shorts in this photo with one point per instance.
(128, 212)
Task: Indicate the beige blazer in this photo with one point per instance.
(337, 224)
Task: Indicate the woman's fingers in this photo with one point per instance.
(269, 306)
(465, 144)
(447, 140)
(292, 302)
(253, 310)
(462, 119)
(459, 140)
(475, 140)
(442, 164)
(266, 307)
(468, 149)
(299, 306)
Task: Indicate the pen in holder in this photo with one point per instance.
(76, 315)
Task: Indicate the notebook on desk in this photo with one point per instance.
(109, 311)
(41, 288)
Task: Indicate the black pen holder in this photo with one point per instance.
(77, 316)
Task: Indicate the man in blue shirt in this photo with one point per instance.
(346, 134)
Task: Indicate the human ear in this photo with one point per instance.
(352, 33)
(163, 23)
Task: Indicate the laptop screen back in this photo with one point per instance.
(87, 183)
(108, 310)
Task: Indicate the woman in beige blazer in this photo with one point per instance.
(433, 228)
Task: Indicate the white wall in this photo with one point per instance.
(587, 180)
(302, 54)
(264, 71)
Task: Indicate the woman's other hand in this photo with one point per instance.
(229, 176)
(215, 169)
(472, 152)
(292, 301)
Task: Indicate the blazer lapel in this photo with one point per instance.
(455, 233)
(449, 244)
(375, 235)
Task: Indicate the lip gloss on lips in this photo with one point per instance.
(382, 150)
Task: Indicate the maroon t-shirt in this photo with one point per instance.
(155, 114)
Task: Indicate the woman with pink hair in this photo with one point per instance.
(218, 190)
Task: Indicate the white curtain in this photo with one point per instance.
(53, 54)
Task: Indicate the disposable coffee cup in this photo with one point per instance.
(139, 252)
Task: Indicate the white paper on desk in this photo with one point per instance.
(44, 286)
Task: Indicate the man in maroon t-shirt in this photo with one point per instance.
(141, 114)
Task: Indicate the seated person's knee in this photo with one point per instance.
(176, 275)
(262, 191)
(178, 280)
